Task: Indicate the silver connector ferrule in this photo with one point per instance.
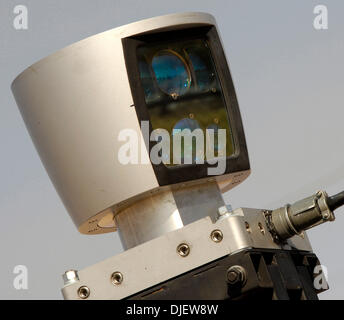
(293, 219)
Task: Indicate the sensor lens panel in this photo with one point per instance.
(182, 91)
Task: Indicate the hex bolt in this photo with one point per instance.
(236, 275)
(232, 277)
(70, 276)
(183, 250)
(222, 211)
(117, 278)
(216, 235)
(84, 292)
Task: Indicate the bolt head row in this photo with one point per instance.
(183, 250)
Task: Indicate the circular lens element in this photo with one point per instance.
(171, 72)
(186, 123)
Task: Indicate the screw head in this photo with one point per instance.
(174, 96)
(117, 278)
(183, 250)
(261, 228)
(236, 275)
(216, 235)
(84, 292)
(247, 226)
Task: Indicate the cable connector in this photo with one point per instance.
(293, 219)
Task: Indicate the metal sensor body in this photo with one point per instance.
(170, 72)
(78, 101)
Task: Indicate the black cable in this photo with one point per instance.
(336, 201)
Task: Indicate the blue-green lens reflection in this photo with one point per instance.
(201, 70)
(171, 73)
(186, 124)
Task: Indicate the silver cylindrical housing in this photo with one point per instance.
(167, 211)
(75, 103)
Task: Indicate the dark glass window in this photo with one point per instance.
(182, 90)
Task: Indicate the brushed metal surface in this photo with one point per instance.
(157, 260)
(164, 212)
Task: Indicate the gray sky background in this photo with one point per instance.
(289, 82)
